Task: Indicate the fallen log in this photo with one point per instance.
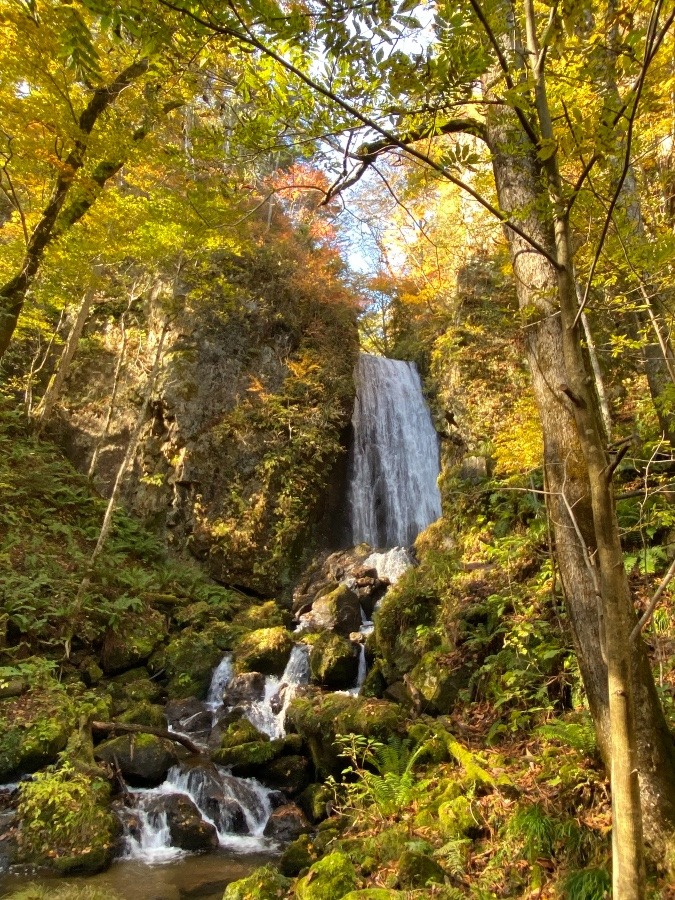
(123, 728)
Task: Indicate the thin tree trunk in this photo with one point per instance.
(13, 293)
(576, 468)
(113, 393)
(119, 480)
(53, 392)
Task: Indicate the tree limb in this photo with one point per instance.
(123, 728)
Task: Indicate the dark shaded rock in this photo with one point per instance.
(334, 662)
(286, 823)
(296, 857)
(12, 687)
(144, 759)
(415, 870)
(133, 643)
(189, 716)
(290, 774)
(266, 650)
(245, 688)
(315, 801)
(375, 683)
(188, 830)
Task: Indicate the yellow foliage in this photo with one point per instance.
(519, 446)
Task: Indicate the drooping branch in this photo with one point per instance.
(122, 728)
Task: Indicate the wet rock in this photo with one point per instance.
(338, 611)
(245, 688)
(144, 759)
(415, 870)
(215, 791)
(189, 716)
(328, 879)
(286, 823)
(134, 643)
(266, 650)
(333, 662)
(188, 830)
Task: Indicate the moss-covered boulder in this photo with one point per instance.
(241, 732)
(34, 728)
(143, 713)
(265, 650)
(266, 883)
(247, 759)
(315, 801)
(334, 662)
(458, 818)
(65, 822)
(416, 870)
(406, 606)
(438, 683)
(144, 759)
(338, 610)
(188, 662)
(133, 642)
(318, 718)
(328, 879)
(297, 857)
(132, 687)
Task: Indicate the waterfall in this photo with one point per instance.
(393, 494)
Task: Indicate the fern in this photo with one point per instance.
(587, 884)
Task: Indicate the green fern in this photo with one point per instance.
(587, 884)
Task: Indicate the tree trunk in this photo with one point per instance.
(51, 395)
(523, 194)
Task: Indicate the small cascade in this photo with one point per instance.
(393, 494)
(147, 837)
(222, 676)
(269, 714)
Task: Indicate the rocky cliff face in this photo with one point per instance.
(242, 447)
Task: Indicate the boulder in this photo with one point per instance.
(318, 718)
(189, 716)
(296, 857)
(245, 688)
(415, 870)
(339, 611)
(33, 733)
(144, 759)
(266, 883)
(290, 774)
(133, 643)
(438, 685)
(189, 659)
(144, 713)
(315, 801)
(266, 650)
(334, 662)
(286, 823)
(134, 686)
(188, 830)
(328, 879)
(218, 794)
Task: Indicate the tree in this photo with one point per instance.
(512, 52)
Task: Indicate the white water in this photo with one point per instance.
(393, 493)
(269, 714)
(222, 675)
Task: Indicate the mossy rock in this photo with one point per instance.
(34, 728)
(458, 819)
(416, 870)
(241, 732)
(328, 879)
(314, 800)
(338, 610)
(265, 615)
(266, 883)
(375, 683)
(265, 650)
(296, 857)
(373, 894)
(439, 686)
(144, 713)
(65, 822)
(133, 643)
(245, 760)
(404, 607)
(333, 661)
(290, 774)
(133, 687)
(188, 662)
(144, 759)
(318, 718)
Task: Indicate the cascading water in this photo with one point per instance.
(393, 494)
